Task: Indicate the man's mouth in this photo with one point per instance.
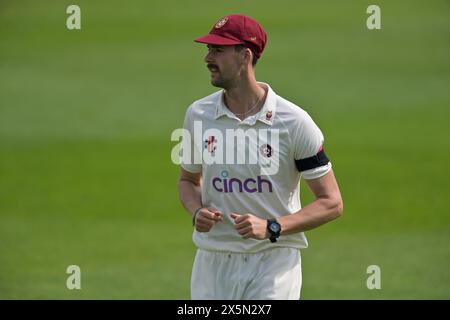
(213, 67)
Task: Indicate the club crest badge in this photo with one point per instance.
(210, 145)
(266, 150)
(221, 23)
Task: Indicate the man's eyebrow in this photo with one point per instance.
(214, 46)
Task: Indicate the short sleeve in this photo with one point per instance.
(309, 154)
(191, 161)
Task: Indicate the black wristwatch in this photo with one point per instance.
(274, 229)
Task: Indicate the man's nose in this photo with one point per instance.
(208, 57)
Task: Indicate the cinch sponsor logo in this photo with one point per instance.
(250, 185)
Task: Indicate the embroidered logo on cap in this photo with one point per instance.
(221, 23)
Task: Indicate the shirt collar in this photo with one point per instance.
(265, 115)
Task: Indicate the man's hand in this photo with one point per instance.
(206, 218)
(250, 226)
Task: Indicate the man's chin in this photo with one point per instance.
(217, 84)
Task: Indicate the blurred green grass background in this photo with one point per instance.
(85, 123)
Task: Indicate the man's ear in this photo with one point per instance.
(248, 56)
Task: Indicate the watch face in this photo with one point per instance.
(274, 227)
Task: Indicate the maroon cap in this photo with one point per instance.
(237, 29)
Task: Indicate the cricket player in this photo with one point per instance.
(249, 222)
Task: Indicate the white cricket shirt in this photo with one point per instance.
(243, 188)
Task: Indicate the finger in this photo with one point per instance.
(239, 218)
(218, 216)
(234, 216)
(251, 233)
(242, 225)
(215, 214)
(205, 221)
(248, 235)
(215, 211)
(245, 231)
(206, 214)
(202, 227)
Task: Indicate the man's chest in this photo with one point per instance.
(258, 146)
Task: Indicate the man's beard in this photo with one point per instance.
(220, 82)
(217, 80)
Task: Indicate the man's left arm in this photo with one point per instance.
(327, 206)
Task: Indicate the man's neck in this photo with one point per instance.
(245, 99)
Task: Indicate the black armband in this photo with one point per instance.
(318, 160)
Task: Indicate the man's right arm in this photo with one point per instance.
(190, 190)
(190, 193)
